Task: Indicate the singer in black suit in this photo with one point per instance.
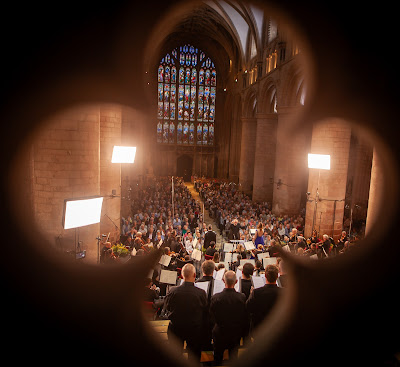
(228, 312)
(262, 300)
(207, 268)
(186, 306)
(209, 236)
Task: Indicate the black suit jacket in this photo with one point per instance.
(261, 301)
(234, 232)
(246, 286)
(186, 306)
(229, 315)
(208, 237)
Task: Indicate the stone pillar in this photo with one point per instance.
(110, 173)
(359, 174)
(375, 191)
(264, 160)
(248, 148)
(66, 156)
(326, 216)
(290, 164)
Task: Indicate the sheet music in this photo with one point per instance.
(165, 260)
(196, 254)
(194, 244)
(258, 282)
(160, 243)
(314, 257)
(262, 255)
(249, 245)
(244, 261)
(168, 276)
(238, 283)
(219, 274)
(133, 252)
(202, 285)
(286, 248)
(253, 231)
(229, 247)
(269, 261)
(238, 273)
(231, 257)
(219, 286)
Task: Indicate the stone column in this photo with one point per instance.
(66, 158)
(264, 160)
(326, 216)
(290, 164)
(247, 153)
(375, 192)
(110, 173)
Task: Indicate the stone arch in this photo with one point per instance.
(268, 98)
(250, 104)
(292, 87)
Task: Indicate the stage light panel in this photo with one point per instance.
(123, 154)
(82, 212)
(320, 161)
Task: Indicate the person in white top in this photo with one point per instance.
(189, 243)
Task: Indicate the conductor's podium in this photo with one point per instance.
(161, 327)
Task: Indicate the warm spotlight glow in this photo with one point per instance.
(82, 212)
(123, 154)
(320, 161)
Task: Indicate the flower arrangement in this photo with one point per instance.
(120, 250)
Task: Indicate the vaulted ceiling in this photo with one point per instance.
(222, 29)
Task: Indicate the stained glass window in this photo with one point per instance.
(187, 81)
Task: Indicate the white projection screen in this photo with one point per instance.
(82, 211)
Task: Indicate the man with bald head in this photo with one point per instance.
(228, 312)
(186, 306)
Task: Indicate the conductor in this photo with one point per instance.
(234, 230)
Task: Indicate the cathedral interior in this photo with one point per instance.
(233, 90)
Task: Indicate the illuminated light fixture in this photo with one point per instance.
(319, 161)
(82, 212)
(123, 154)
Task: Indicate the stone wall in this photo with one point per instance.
(71, 158)
(326, 214)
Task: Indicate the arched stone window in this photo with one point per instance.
(187, 88)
